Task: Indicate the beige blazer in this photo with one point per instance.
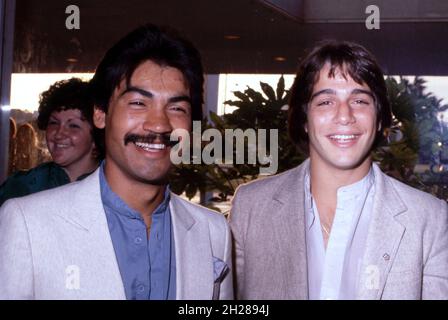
(56, 245)
(406, 254)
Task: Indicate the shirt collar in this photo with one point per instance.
(113, 201)
(344, 193)
(356, 189)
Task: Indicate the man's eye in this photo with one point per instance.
(178, 109)
(137, 103)
(324, 103)
(361, 101)
(75, 126)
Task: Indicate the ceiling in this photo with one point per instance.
(412, 38)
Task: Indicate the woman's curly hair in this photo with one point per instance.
(69, 94)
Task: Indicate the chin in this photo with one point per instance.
(155, 177)
(157, 181)
(348, 164)
(60, 163)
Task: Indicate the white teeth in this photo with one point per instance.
(61, 145)
(148, 146)
(343, 136)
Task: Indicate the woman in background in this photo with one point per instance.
(75, 145)
(26, 150)
(12, 145)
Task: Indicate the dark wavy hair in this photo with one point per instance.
(350, 58)
(66, 95)
(162, 46)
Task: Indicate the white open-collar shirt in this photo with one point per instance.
(333, 274)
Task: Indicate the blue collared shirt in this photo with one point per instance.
(333, 273)
(147, 266)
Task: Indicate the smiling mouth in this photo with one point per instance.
(150, 146)
(61, 146)
(344, 138)
(151, 142)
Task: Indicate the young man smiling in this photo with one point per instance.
(121, 233)
(336, 227)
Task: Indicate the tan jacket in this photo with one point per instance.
(406, 254)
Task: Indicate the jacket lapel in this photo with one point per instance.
(90, 243)
(383, 239)
(194, 262)
(288, 224)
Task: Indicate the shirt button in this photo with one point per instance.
(138, 240)
(158, 236)
(141, 288)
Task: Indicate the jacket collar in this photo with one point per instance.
(86, 208)
(286, 214)
(383, 238)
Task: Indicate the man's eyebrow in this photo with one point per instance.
(363, 91)
(324, 91)
(331, 91)
(138, 90)
(180, 99)
(149, 94)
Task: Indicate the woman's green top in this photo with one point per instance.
(43, 177)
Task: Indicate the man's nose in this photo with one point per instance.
(157, 121)
(344, 114)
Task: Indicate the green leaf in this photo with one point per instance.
(280, 88)
(242, 96)
(268, 91)
(255, 96)
(191, 191)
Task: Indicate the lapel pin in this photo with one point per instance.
(386, 257)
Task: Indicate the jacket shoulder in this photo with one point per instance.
(411, 195)
(211, 222)
(267, 185)
(200, 212)
(421, 208)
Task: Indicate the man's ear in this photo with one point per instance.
(99, 118)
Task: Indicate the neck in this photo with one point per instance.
(138, 195)
(76, 170)
(327, 179)
(325, 182)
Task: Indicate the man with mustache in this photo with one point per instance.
(121, 233)
(337, 227)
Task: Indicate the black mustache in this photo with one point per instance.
(150, 138)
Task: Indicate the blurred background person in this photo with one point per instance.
(12, 145)
(75, 145)
(26, 150)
